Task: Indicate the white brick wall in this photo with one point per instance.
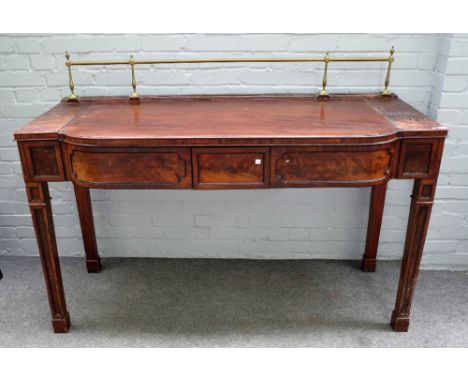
(290, 223)
(449, 105)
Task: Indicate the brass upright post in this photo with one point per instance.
(325, 59)
(324, 93)
(132, 65)
(72, 96)
(386, 92)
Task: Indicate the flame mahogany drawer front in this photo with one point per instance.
(242, 167)
(142, 167)
(309, 166)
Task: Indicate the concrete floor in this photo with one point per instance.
(230, 303)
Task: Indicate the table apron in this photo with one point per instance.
(149, 167)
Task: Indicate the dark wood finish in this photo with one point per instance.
(232, 121)
(312, 166)
(227, 167)
(42, 161)
(205, 142)
(47, 126)
(41, 212)
(369, 259)
(85, 212)
(104, 167)
(418, 158)
(422, 200)
(420, 212)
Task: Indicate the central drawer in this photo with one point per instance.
(230, 167)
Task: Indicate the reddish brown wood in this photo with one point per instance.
(422, 200)
(41, 212)
(47, 125)
(406, 118)
(42, 161)
(242, 167)
(85, 212)
(369, 259)
(130, 167)
(214, 142)
(418, 223)
(418, 158)
(232, 120)
(307, 166)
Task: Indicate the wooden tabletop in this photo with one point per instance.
(197, 119)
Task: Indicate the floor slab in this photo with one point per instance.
(147, 302)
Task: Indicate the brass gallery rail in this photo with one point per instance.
(326, 59)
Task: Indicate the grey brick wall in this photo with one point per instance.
(430, 73)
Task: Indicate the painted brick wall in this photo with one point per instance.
(430, 70)
(449, 105)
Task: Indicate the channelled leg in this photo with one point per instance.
(418, 223)
(83, 202)
(376, 210)
(41, 212)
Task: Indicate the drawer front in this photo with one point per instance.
(314, 166)
(127, 168)
(230, 167)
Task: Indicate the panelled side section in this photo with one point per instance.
(129, 167)
(418, 158)
(42, 161)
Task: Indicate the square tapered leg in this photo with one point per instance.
(41, 212)
(85, 212)
(376, 209)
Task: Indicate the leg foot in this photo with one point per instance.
(399, 324)
(93, 266)
(61, 325)
(368, 265)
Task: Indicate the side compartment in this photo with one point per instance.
(418, 158)
(42, 161)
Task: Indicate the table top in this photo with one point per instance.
(255, 119)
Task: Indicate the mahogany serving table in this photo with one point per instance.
(219, 142)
